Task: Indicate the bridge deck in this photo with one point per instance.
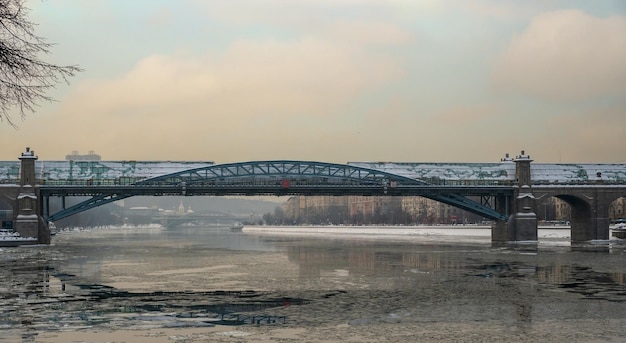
(499, 173)
(243, 189)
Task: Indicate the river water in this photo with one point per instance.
(348, 284)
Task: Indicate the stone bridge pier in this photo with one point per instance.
(522, 223)
(23, 199)
(589, 205)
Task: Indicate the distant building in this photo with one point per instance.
(356, 209)
(90, 156)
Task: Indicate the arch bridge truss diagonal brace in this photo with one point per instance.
(86, 205)
(281, 177)
(470, 206)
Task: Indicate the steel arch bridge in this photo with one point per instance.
(281, 177)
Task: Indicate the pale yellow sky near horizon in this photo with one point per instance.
(333, 81)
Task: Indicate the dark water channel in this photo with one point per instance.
(145, 279)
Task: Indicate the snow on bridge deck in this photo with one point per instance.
(430, 172)
(99, 170)
(501, 171)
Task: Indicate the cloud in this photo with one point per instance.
(366, 32)
(258, 98)
(565, 55)
(488, 9)
(270, 77)
(597, 135)
(464, 115)
(311, 15)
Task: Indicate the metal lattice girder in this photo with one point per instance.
(486, 201)
(275, 170)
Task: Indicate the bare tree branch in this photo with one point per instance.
(24, 78)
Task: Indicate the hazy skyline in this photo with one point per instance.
(335, 81)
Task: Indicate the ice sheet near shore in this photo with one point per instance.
(480, 232)
(381, 232)
(376, 230)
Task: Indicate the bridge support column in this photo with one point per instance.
(585, 229)
(28, 220)
(522, 223)
(601, 228)
(500, 232)
(591, 221)
(521, 226)
(600, 216)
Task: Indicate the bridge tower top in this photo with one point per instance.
(522, 169)
(27, 167)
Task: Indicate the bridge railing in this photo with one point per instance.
(579, 183)
(127, 181)
(459, 182)
(446, 182)
(77, 182)
(121, 181)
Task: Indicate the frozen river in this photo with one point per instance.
(320, 284)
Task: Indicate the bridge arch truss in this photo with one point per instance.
(281, 177)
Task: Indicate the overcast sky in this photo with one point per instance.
(332, 80)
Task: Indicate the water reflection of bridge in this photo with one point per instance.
(365, 260)
(174, 219)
